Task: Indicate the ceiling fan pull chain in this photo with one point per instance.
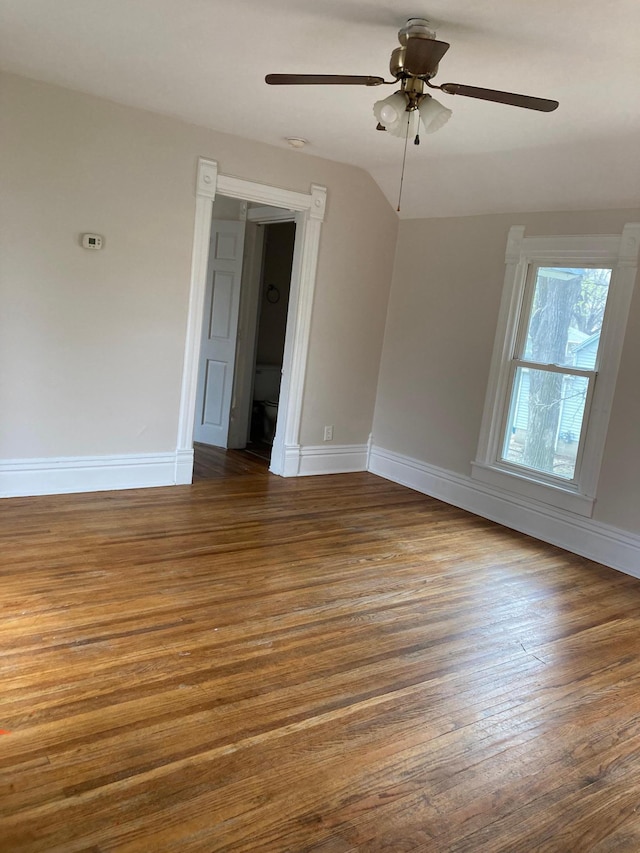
(404, 159)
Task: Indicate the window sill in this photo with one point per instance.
(526, 487)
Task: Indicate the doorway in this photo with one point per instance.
(244, 328)
(308, 209)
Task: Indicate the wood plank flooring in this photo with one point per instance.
(211, 463)
(313, 665)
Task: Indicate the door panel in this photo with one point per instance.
(214, 393)
(219, 333)
(221, 305)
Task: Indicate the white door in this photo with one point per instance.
(219, 333)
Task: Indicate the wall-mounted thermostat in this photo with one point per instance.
(91, 241)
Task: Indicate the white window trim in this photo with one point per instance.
(618, 251)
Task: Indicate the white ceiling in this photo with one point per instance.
(205, 60)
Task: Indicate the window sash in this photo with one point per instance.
(509, 402)
(533, 268)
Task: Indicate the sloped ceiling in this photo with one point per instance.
(205, 61)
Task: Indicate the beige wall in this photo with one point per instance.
(92, 343)
(441, 323)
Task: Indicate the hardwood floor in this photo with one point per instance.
(211, 463)
(324, 664)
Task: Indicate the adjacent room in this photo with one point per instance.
(319, 431)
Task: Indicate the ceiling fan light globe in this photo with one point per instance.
(433, 114)
(388, 115)
(389, 111)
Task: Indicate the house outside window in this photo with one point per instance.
(558, 344)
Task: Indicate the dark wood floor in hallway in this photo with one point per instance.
(326, 664)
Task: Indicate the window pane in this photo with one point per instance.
(566, 316)
(545, 421)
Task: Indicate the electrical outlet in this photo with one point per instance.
(328, 433)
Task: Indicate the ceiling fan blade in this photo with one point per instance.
(322, 79)
(422, 56)
(510, 98)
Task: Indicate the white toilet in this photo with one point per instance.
(266, 391)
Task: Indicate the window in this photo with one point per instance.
(556, 355)
(553, 369)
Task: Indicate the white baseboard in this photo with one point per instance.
(65, 474)
(332, 459)
(183, 475)
(592, 539)
(62, 475)
(291, 464)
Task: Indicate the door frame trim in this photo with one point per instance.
(309, 209)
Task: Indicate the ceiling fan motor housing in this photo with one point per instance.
(399, 71)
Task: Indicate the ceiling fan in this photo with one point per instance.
(413, 64)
